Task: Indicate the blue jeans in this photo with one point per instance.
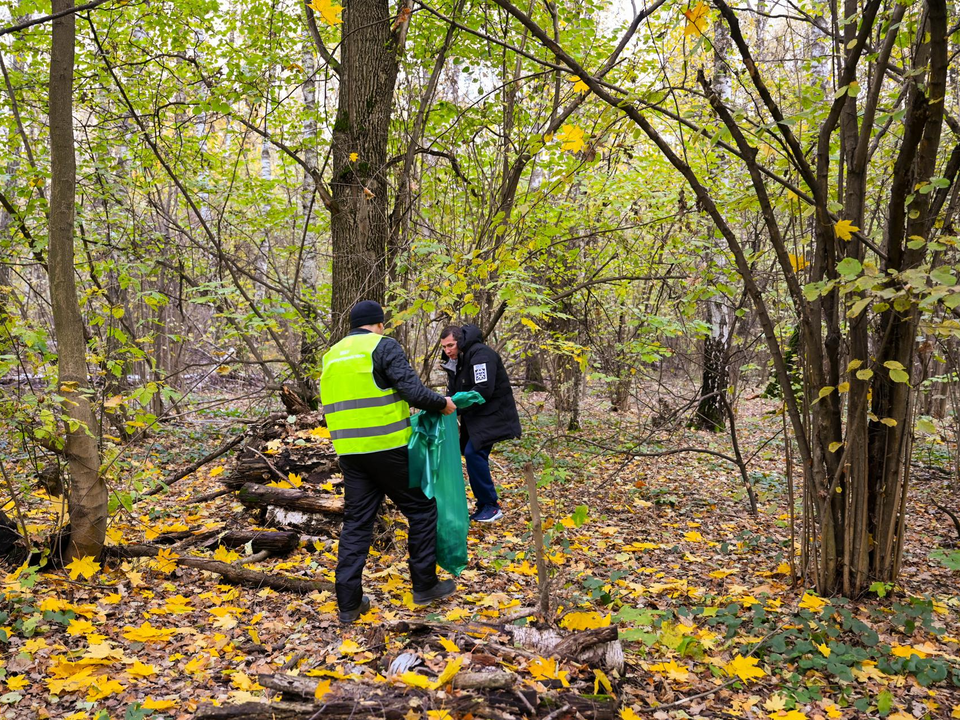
(478, 470)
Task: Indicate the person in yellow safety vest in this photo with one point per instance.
(367, 388)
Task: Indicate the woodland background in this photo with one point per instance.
(715, 245)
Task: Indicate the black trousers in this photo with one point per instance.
(366, 479)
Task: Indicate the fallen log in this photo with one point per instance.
(596, 647)
(234, 574)
(253, 495)
(277, 542)
(480, 693)
(315, 464)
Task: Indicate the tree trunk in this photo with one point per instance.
(359, 222)
(88, 491)
(710, 413)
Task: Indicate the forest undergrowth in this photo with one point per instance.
(663, 548)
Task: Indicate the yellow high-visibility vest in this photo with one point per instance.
(361, 417)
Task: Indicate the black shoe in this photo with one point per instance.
(350, 616)
(444, 588)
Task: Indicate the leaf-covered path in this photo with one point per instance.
(665, 548)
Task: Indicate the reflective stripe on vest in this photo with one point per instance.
(361, 416)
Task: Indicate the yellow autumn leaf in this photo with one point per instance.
(844, 229)
(166, 561)
(584, 621)
(147, 633)
(323, 688)
(452, 668)
(103, 687)
(720, 574)
(415, 680)
(834, 446)
(788, 715)
(672, 670)
(775, 702)
(328, 12)
(226, 555)
(294, 480)
(349, 647)
(797, 262)
(320, 432)
(547, 669)
(354, 157)
(85, 566)
(744, 668)
(151, 704)
(812, 602)
(571, 138)
(843, 387)
(139, 669)
(79, 627)
(628, 714)
(17, 682)
(578, 84)
(216, 471)
(906, 651)
(824, 649)
(693, 536)
(241, 681)
(600, 678)
(956, 711)
(448, 645)
(696, 19)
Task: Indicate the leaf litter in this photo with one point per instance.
(660, 553)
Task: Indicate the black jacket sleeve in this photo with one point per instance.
(481, 370)
(392, 370)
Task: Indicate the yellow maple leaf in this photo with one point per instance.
(321, 432)
(600, 678)
(151, 704)
(216, 471)
(572, 138)
(844, 229)
(775, 702)
(448, 645)
(547, 669)
(696, 19)
(906, 651)
(147, 633)
(693, 536)
(415, 680)
(323, 687)
(744, 668)
(85, 566)
(166, 561)
(584, 621)
(833, 711)
(797, 262)
(672, 670)
(17, 682)
(956, 711)
(103, 687)
(226, 555)
(439, 715)
(824, 649)
(628, 714)
(294, 480)
(349, 647)
(720, 574)
(139, 669)
(33, 644)
(812, 602)
(788, 715)
(452, 668)
(578, 84)
(353, 158)
(242, 681)
(329, 12)
(79, 627)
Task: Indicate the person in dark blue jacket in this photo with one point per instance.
(472, 365)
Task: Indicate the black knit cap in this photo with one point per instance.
(366, 312)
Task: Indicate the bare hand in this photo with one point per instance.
(450, 408)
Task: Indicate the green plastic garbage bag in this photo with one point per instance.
(435, 468)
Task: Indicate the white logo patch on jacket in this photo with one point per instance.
(479, 373)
